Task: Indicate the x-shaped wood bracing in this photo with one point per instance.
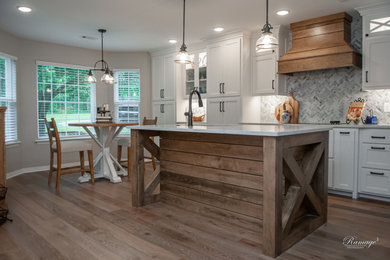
(300, 178)
(154, 180)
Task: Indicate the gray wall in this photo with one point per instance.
(325, 95)
(29, 153)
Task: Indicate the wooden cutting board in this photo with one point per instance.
(295, 106)
(279, 110)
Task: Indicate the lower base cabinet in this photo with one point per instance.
(165, 111)
(374, 162)
(343, 165)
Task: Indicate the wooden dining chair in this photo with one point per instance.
(58, 147)
(125, 142)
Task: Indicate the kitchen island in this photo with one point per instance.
(271, 179)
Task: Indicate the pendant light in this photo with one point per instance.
(267, 40)
(182, 57)
(108, 76)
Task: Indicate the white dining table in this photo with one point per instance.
(105, 163)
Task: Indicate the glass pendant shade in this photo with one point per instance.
(91, 78)
(266, 42)
(183, 58)
(107, 77)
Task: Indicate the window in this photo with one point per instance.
(380, 25)
(8, 96)
(127, 97)
(64, 95)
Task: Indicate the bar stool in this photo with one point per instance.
(125, 142)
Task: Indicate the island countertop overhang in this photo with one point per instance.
(239, 129)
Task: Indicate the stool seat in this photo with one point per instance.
(73, 146)
(124, 142)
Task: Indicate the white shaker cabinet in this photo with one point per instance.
(374, 170)
(163, 78)
(376, 46)
(165, 111)
(224, 68)
(344, 162)
(223, 110)
(264, 74)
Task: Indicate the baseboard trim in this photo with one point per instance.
(38, 169)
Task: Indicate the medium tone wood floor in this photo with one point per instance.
(85, 221)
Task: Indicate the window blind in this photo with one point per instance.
(8, 97)
(127, 97)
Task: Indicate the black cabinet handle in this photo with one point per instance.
(377, 173)
(163, 93)
(223, 88)
(273, 84)
(378, 137)
(163, 108)
(377, 148)
(366, 76)
(345, 133)
(223, 106)
(220, 88)
(220, 106)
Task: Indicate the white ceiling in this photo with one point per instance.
(142, 25)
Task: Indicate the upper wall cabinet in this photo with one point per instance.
(376, 46)
(196, 73)
(224, 68)
(265, 78)
(163, 79)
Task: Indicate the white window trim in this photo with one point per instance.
(93, 98)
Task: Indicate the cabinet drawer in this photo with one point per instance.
(375, 156)
(375, 181)
(377, 136)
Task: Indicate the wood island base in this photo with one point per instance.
(274, 185)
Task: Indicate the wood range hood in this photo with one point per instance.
(320, 43)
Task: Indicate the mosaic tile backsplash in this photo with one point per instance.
(325, 95)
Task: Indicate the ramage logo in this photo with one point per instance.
(354, 243)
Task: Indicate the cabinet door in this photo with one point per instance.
(231, 76)
(168, 92)
(376, 63)
(214, 111)
(157, 108)
(214, 70)
(168, 111)
(374, 181)
(158, 77)
(231, 110)
(344, 159)
(264, 74)
(165, 112)
(375, 156)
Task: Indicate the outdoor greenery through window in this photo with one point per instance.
(63, 94)
(127, 97)
(8, 97)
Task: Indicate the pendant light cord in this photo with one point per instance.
(183, 46)
(102, 49)
(266, 12)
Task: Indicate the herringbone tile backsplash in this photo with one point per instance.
(325, 95)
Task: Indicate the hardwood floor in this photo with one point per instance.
(85, 221)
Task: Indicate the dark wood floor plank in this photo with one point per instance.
(85, 221)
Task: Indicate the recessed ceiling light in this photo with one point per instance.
(172, 41)
(218, 29)
(283, 12)
(24, 9)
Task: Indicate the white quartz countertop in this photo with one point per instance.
(240, 129)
